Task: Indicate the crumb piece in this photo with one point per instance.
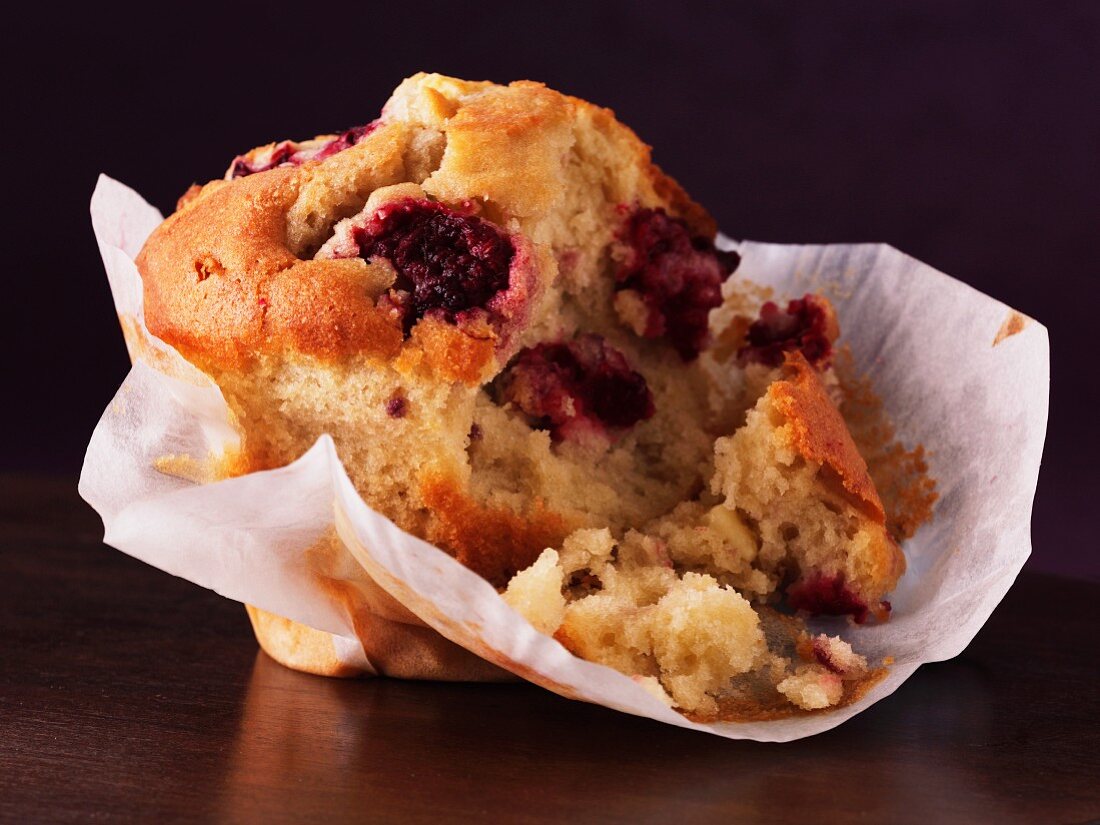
(837, 656)
(587, 549)
(833, 653)
(535, 593)
(702, 636)
(812, 687)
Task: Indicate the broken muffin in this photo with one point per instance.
(529, 351)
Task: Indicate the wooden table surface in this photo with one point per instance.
(127, 694)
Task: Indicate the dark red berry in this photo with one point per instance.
(578, 387)
(806, 326)
(346, 140)
(397, 406)
(445, 261)
(287, 153)
(678, 277)
(827, 595)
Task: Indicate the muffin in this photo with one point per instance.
(529, 351)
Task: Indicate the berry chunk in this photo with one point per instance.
(289, 153)
(671, 280)
(282, 154)
(808, 325)
(828, 596)
(446, 262)
(345, 140)
(577, 388)
(397, 406)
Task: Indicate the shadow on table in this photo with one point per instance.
(323, 747)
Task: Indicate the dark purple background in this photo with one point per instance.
(966, 134)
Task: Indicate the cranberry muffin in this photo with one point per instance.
(520, 335)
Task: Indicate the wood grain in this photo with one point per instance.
(129, 695)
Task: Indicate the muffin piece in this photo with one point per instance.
(696, 644)
(795, 474)
(797, 512)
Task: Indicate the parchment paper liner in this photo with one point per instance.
(959, 372)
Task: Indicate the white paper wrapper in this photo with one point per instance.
(926, 340)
